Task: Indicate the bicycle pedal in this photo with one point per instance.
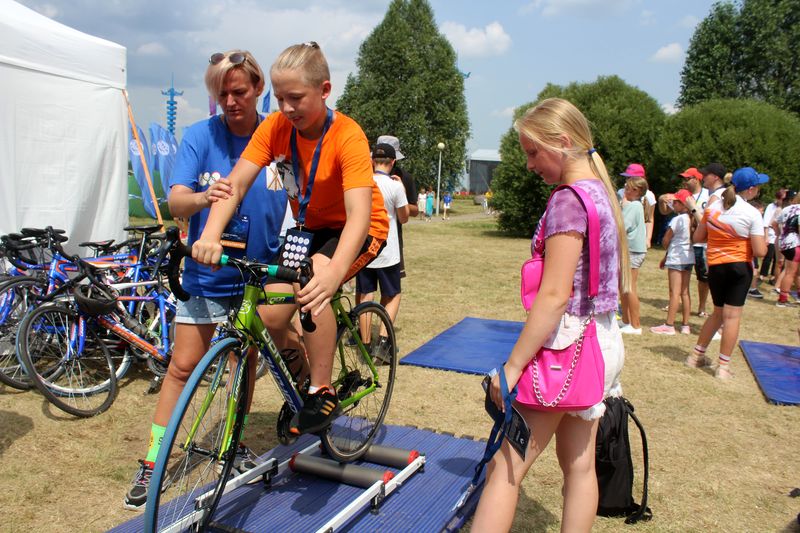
(155, 385)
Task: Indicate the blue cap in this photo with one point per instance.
(746, 177)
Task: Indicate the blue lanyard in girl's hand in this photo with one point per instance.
(304, 199)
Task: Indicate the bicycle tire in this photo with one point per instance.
(82, 385)
(187, 469)
(352, 433)
(15, 302)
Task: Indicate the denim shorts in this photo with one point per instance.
(683, 268)
(205, 310)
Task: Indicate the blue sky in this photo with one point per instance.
(512, 48)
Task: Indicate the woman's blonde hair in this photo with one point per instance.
(215, 73)
(729, 194)
(306, 57)
(545, 124)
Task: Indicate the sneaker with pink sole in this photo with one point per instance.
(663, 329)
(686, 330)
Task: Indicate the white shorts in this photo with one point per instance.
(611, 346)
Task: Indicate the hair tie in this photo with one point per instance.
(591, 151)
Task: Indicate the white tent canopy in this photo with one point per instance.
(63, 128)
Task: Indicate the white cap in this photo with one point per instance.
(394, 142)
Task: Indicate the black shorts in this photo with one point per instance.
(388, 278)
(792, 254)
(729, 283)
(325, 242)
(700, 266)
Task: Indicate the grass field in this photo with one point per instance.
(722, 458)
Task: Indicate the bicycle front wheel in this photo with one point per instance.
(201, 439)
(17, 296)
(79, 380)
(364, 368)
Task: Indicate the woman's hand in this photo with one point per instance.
(319, 291)
(219, 190)
(512, 377)
(207, 252)
(662, 263)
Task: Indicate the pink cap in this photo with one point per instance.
(634, 170)
(682, 195)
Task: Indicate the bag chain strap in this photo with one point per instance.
(578, 350)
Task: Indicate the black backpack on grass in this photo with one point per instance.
(614, 466)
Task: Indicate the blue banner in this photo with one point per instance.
(138, 169)
(266, 103)
(165, 154)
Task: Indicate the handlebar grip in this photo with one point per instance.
(284, 274)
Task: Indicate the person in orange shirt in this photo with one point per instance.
(734, 230)
(322, 159)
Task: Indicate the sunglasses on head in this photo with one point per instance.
(236, 58)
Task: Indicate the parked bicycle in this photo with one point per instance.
(199, 444)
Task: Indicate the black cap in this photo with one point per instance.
(384, 151)
(714, 168)
(790, 195)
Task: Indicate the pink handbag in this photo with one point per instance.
(571, 379)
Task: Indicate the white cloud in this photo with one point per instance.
(669, 108)
(689, 22)
(583, 8)
(152, 49)
(477, 42)
(648, 18)
(671, 53)
(190, 114)
(48, 10)
(508, 112)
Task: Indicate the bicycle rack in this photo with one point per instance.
(378, 484)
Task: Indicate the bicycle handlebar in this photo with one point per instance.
(177, 251)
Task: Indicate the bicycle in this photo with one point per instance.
(200, 442)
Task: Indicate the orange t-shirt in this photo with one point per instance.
(729, 231)
(344, 164)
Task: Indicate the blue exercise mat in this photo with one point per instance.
(777, 370)
(472, 346)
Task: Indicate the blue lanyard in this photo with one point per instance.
(304, 199)
(233, 157)
(382, 172)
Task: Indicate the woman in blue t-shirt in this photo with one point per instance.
(208, 151)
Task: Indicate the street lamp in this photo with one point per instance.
(440, 146)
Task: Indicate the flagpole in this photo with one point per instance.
(144, 163)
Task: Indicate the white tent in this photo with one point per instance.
(63, 128)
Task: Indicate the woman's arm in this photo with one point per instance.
(185, 202)
(700, 233)
(207, 249)
(665, 240)
(561, 261)
(759, 245)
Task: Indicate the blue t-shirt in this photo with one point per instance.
(208, 152)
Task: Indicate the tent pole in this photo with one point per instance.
(144, 163)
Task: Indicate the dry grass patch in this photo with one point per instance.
(722, 458)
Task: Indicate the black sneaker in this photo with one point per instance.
(317, 413)
(137, 494)
(380, 353)
(755, 293)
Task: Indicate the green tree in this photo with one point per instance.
(736, 133)
(710, 67)
(626, 122)
(408, 85)
(746, 52)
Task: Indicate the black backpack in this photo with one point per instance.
(614, 466)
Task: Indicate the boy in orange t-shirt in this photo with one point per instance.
(311, 149)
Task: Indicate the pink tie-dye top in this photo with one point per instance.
(565, 213)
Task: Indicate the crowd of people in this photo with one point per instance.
(259, 165)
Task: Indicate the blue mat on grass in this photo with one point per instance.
(777, 370)
(472, 346)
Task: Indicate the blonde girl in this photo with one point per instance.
(557, 142)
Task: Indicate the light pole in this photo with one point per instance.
(440, 146)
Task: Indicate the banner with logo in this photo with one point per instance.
(164, 155)
(138, 169)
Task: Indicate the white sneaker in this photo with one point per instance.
(716, 336)
(627, 329)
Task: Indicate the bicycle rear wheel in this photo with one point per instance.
(363, 375)
(201, 439)
(16, 298)
(78, 380)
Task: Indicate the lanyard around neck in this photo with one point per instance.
(304, 199)
(382, 172)
(233, 156)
